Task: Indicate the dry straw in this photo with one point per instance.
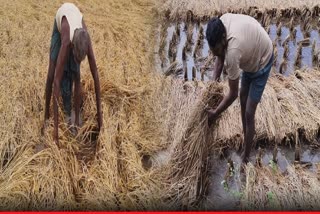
(147, 117)
(190, 162)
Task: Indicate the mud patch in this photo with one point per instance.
(226, 184)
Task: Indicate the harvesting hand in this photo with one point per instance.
(212, 116)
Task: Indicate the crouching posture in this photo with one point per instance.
(70, 44)
(240, 44)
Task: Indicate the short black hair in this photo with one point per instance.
(215, 31)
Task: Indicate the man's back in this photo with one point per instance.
(247, 37)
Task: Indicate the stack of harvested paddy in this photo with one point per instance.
(310, 80)
(194, 73)
(268, 29)
(285, 51)
(274, 43)
(199, 43)
(229, 132)
(268, 189)
(184, 54)
(52, 179)
(189, 37)
(315, 11)
(173, 47)
(177, 30)
(189, 164)
(313, 48)
(163, 37)
(307, 33)
(162, 53)
(286, 40)
(297, 61)
(297, 150)
(202, 72)
(185, 71)
(299, 107)
(283, 66)
(315, 58)
(275, 52)
(306, 12)
(266, 20)
(212, 8)
(287, 104)
(190, 16)
(294, 34)
(291, 25)
(279, 29)
(175, 69)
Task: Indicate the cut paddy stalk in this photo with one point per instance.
(194, 73)
(259, 158)
(279, 29)
(275, 153)
(283, 66)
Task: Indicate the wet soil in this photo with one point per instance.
(197, 57)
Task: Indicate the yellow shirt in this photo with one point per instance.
(249, 45)
(73, 15)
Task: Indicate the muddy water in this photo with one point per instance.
(225, 193)
(200, 61)
(306, 59)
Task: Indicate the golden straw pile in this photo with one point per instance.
(268, 189)
(190, 162)
(152, 152)
(288, 104)
(83, 174)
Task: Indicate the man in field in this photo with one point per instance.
(70, 44)
(240, 44)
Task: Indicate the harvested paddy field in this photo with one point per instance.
(155, 150)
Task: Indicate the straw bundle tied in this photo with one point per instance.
(191, 158)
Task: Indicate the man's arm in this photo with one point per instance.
(64, 49)
(218, 67)
(230, 97)
(49, 82)
(233, 70)
(95, 76)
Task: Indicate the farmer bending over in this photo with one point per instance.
(240, 44)
(70, 44)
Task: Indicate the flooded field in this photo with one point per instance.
(184, 48)
(227, 182)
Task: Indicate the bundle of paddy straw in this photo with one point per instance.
(189, 172)
(269, 189)
(287, 105)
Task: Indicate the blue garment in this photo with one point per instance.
(256, 81)
(71, 68)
